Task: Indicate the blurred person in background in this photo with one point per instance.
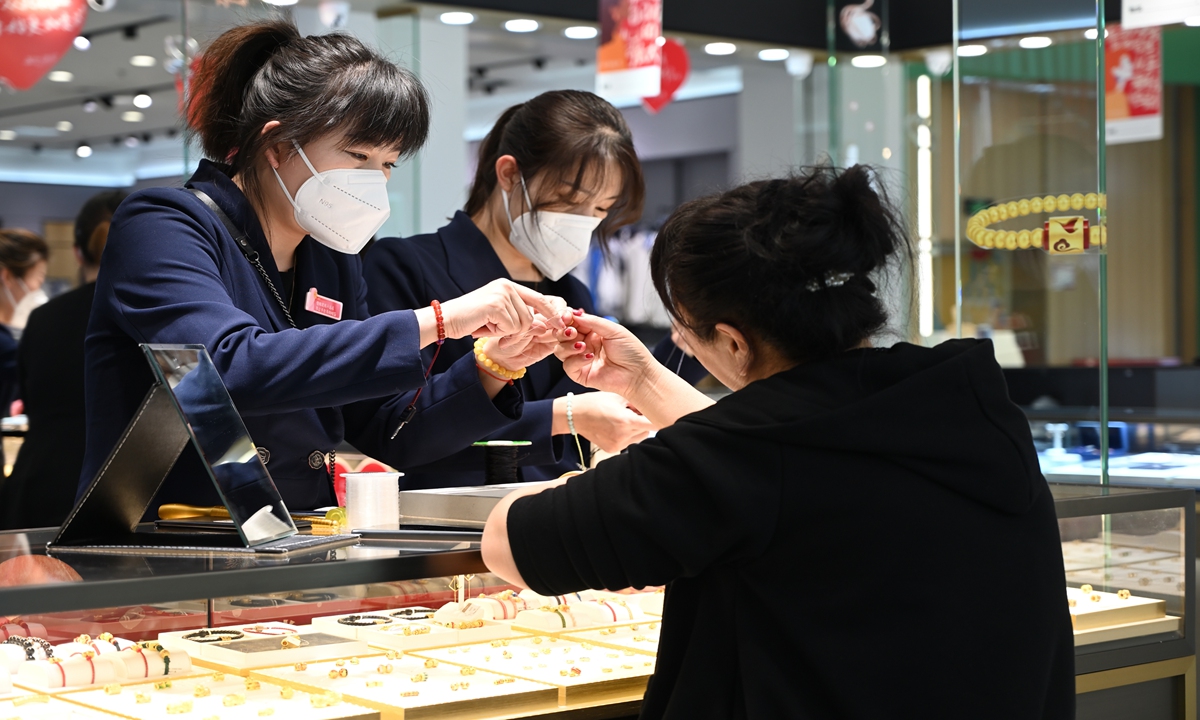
(22, 271)
(41, 489)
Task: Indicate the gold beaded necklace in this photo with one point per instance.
(1065, 235)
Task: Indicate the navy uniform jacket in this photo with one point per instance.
(405, 273)
(171, 273)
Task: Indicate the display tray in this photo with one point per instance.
(431, 695)
(640, 637)
(580, 673)
(1142, 628)
(21, 705)
(1096, 609)
(413, 635)
(214, 690)
(242, 656)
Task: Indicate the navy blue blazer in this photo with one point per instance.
(406, 273)
(171, 273)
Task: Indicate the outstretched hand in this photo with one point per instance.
(606, 356)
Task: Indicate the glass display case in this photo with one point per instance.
(413, 626)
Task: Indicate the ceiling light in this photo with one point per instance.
(868, 61)
(581, 32)
(82, 43)
(147, 137)
(60, 76)
(1091, 33)
(131, 32)
(457, 18)
(660, 41)
(65, 126)
(84, 150)
(143, 61)
(7, 135)
(142, 100)
(773, 54)
(1193, 21)
(132, 116)
(1036, 42)
(89, 106)
(522, 25)
(972, 50)
(720, 48)
(132, 141)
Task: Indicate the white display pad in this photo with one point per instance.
(651, 603)
(176, 640)
(1100, 609)
(11, 657)
(410, 636)
(245, 655)
(35, 706)
(6, 686)
(640, 637)
(577, 671)
(434, 687)
(261, 700)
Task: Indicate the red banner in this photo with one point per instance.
(629, 58)
(34, 35)
(1133, 86)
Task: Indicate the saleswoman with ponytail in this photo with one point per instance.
(256, 260)
(552, 171)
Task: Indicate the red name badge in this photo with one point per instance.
(327, 307)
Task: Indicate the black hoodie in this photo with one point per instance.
(868, 537)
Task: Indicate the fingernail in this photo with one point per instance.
(577, 312)
(589, 356)
(579, 346)
(569, 332)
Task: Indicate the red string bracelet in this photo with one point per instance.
(411, 410)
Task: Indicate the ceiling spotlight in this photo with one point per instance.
(147, 137)
(773, 54)
(37, 148)
(1035, 43)
(972, 50)
(82, 43)
(131, 32)
(116, 142)
(1193, 21)
(456, 18)
(522, 25)
(132, 116)
(720, 48)
(172, 132)
(143, 61)
(65, 126)
(84, 150)
(60, 76)
(132, 141)
(581, 32)
(89, 106)
(8, 135)
(142, 100)
(106, 101)
(868, 61)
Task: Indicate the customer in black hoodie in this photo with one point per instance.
(855, 532)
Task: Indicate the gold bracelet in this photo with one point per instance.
(492, 366)
(1068, 235)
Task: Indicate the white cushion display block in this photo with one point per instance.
(588, 613)
(640, 637)
(6, 686)
(242, 656)
(580, 673)
(409, 636)
(651, 603)
(407, 687)
(229, 697)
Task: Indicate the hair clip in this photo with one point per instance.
(831, 280)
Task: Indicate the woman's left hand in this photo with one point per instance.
(525, 349)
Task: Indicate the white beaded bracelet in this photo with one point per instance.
(571, 426)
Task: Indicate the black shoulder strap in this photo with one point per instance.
(239, 236)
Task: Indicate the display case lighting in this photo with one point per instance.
(972, 50)
(81, 42)
(720, 48)
(522, 25)
(1035, 42)
(581, 32)
(868, 61)
(456, 18)
(773, 54)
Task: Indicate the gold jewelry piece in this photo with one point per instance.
(607, 670)
(626, 667)
(454, 687)
(392, 655)
(165, 684)
(253, 684)
(233, 700)
(84, 639)
(106, 637)
(384, 669)
(1059, 236)
(504, 681)
(639, 638)
(141, 698)
(418, 630)
(374, 683)
(419, 677)
(329, 699)
(1095, 597)
(339, 663)
(291, 641)
(410, 693)
(201, 691)
(654, 626)
(338, 673)
(431, 663)
(179, 708)
(1123, 594)
(492, 366)
(301, 667)
(1071, 602)
(287, 693)
(113, 689)
(467, 670)
(1085, 589)
(218, 677)
(353, 661)
(266, 711)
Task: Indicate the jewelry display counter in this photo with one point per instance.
(413, 627)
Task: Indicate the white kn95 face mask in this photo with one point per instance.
(554, 242)
(340, 208)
